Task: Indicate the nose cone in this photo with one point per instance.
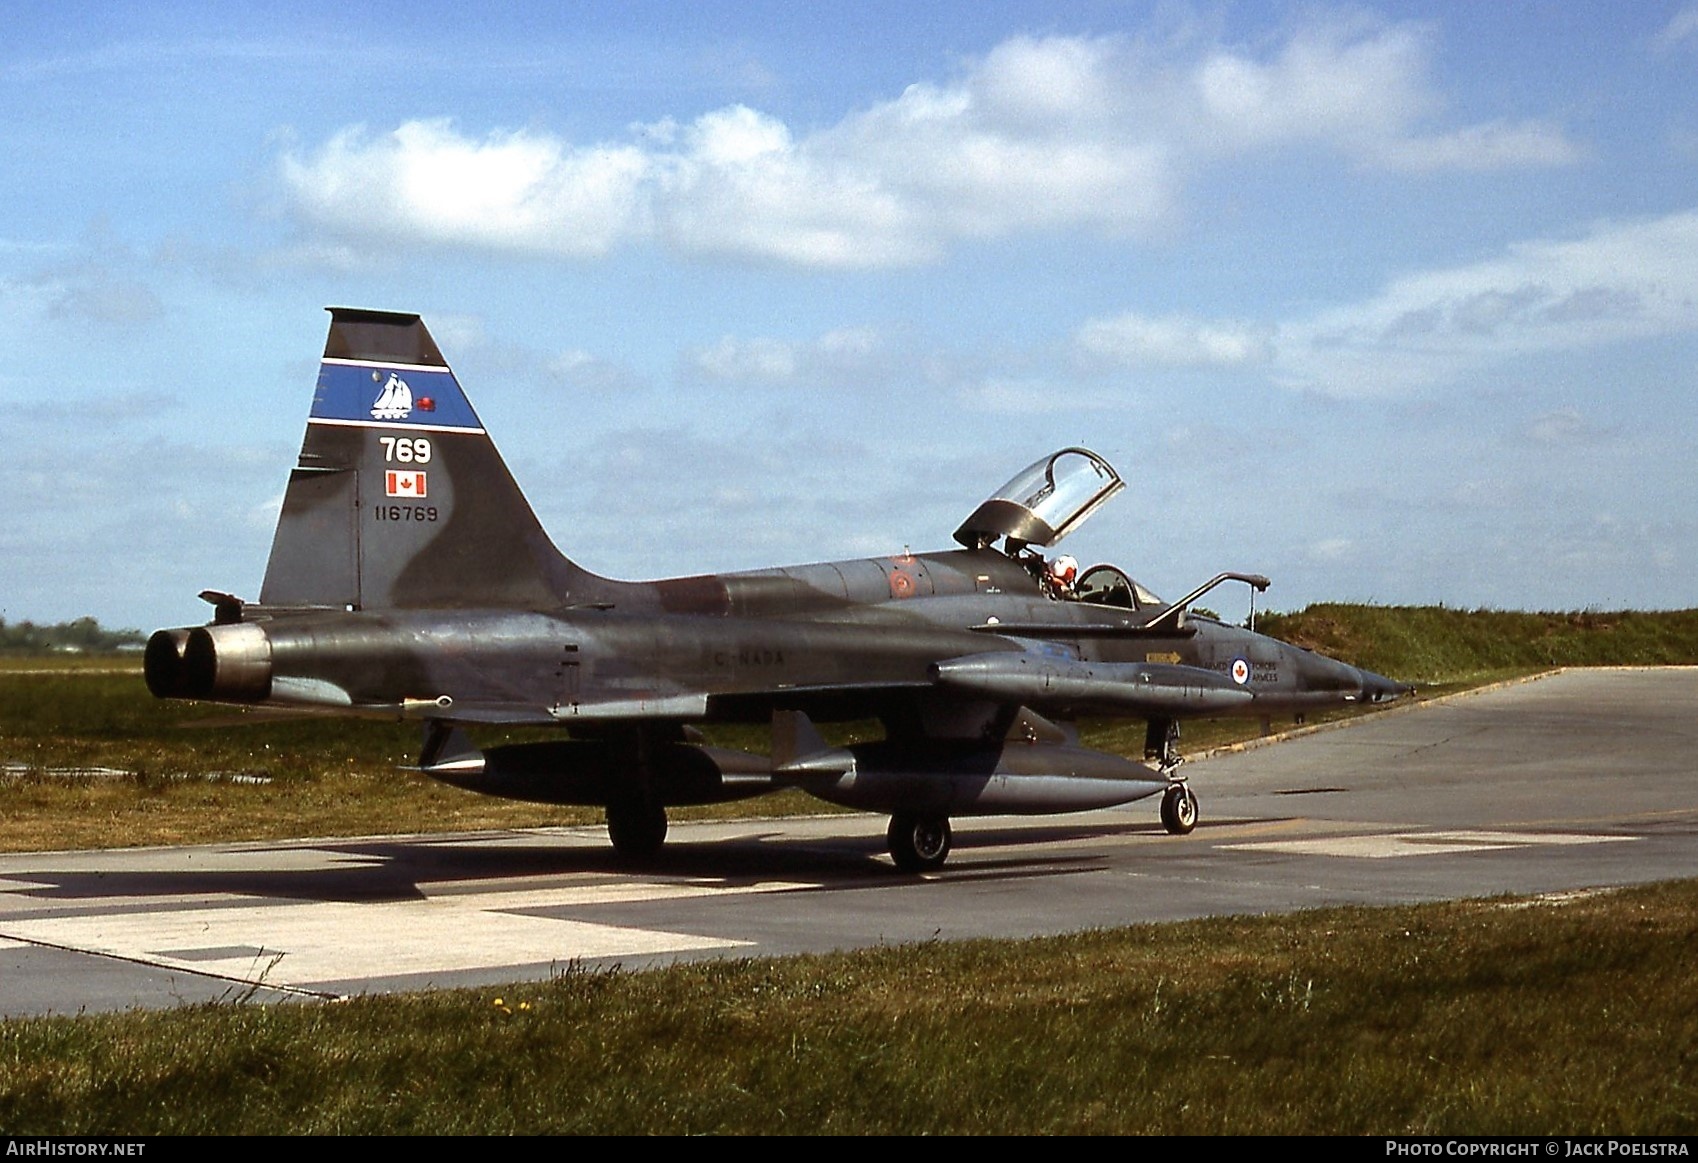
(1377, 688)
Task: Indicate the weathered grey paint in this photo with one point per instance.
(410, 577)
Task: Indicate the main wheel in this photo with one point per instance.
(1178, 809)
(919, 843)
(637, 828)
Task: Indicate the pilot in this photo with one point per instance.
(1063, 572)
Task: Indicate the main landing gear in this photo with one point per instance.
(637, 827)
(919, 843)
(636, 813)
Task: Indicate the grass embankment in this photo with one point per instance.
(90, 759)
(1432, 645)
(1491, 1017)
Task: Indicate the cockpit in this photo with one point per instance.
(1041, 505)
(1105, 585)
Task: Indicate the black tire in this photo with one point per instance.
(637, 829)
(1179, 810)
(919, 843)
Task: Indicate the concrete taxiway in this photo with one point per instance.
(1577, 780)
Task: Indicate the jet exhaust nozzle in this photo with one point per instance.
(162, 664)
(225, 663)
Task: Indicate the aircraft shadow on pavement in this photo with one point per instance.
(378, 870)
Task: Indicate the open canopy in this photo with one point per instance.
(1044, 503)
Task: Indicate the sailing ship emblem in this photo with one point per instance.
(395, 402)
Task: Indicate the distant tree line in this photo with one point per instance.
(84, 635)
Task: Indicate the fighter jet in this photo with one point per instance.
(409, 578)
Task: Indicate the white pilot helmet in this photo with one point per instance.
(1064, 569)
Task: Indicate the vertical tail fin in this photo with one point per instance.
(400, 499)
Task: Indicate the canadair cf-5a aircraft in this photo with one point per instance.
(409, 577)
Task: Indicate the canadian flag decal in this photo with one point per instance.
(404, 484)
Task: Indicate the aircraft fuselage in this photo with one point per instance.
(409, 577)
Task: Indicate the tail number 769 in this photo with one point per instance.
(406, 450)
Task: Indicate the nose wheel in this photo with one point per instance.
(1178, 809)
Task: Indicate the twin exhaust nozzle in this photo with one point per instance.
(230, 663)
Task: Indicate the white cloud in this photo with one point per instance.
(100, 281)
(1495, 145)
(1041, 133)
(263, 515)
(1564, 426)
(24, 302)
(741, 186)
(1366, 93)
(857, 357)
(1622, 281)
(1569, 427)
(759, 360)
(1135, 340)
(511, 191)
(490, 360)
(1331, 549)
(1037, 397)
(1682, 26)
(586, 372)
(456, 332)
(1351, 86)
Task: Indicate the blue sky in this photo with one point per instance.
(1393, 303)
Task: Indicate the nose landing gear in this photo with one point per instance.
(1178, 809)
(1179, 802)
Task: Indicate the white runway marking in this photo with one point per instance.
(301, 945)
(22, 885)
(623, 893)
(1394, 844)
